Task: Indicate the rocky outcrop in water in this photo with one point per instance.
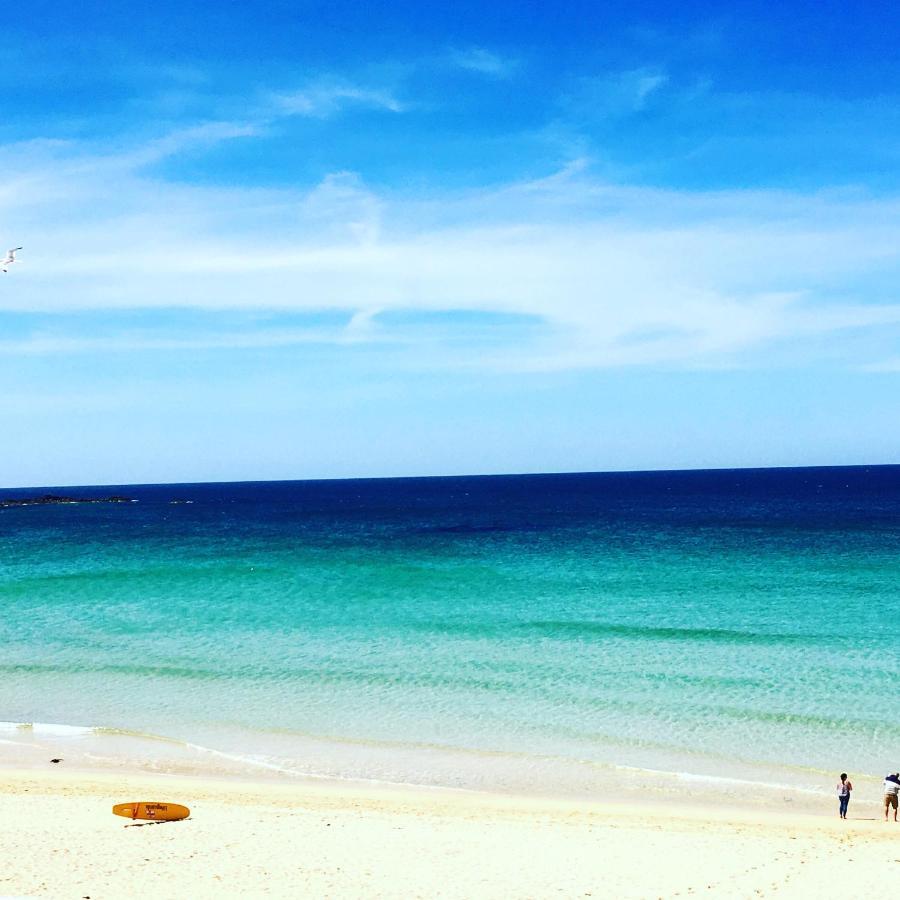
(59, 500)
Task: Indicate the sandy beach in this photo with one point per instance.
(60, 839)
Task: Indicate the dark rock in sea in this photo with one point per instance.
(59, 500)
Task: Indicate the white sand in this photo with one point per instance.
(58, 838)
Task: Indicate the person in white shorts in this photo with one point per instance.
(891, 790)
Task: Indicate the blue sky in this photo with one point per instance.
(291, 240)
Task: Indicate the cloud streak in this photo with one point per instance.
(616, 275)
(615, 94)
(323, 99)
(484, 62)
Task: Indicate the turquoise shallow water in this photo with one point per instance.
(514, 631)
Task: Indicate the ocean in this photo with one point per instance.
(572, 634)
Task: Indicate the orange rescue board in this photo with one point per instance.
(159, 812)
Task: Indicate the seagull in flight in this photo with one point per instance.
(10, 258)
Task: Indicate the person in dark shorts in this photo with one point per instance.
(843, 791)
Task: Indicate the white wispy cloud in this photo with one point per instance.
(615, 94)
(478, 59)
(130, 341)
(326, 98)
(201, 135)
(617, 275)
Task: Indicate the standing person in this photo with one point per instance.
(891, 790)
(843, 791)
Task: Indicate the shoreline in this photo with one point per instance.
(317, 839)
(89, 751)
(57, 781)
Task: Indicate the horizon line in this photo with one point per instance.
(236, 481)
